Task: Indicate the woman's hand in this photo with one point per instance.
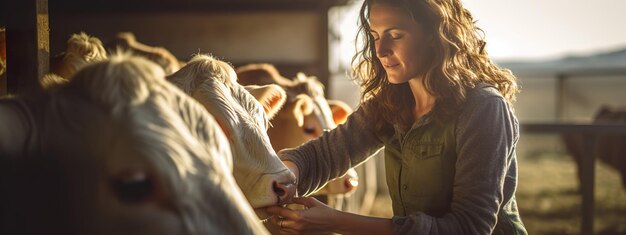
(316, 217)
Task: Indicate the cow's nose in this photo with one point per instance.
(351, 183)
(284, 191)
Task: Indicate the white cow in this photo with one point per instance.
(118, 150)
(306, 115)
(263, 178)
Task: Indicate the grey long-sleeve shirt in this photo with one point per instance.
(486, 169)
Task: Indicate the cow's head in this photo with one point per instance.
(136, 155)
(82, 49)
(305, 116)
(263, 178)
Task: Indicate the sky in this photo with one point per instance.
(533, 29)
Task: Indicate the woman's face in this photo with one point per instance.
(402, 45)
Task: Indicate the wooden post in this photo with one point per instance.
(587, 182)
(323, 70)
(3, 54)
(28, 45)
(561, 95)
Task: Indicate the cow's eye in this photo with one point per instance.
(134, 187)
(309, 130)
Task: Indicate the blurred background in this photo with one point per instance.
(569, 57)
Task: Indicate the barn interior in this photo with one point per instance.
(299, 36)
(292, 35)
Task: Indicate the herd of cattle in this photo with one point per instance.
(137, 142)
(130, 140)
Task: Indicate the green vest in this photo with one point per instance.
(420, 172)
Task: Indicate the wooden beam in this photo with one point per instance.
(324, 71)
(27, 42)
(134, 6)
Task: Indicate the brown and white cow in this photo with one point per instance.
(263, 178)
(117, 150)
(306, 115)
(609, 148)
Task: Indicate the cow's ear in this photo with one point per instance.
(272, 97)
(52, 80)
(340, 110)
(303, 106)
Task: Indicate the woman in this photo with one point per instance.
(442, 111)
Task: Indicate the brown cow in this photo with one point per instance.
(126, 41)
(609, 148)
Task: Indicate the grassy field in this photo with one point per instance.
(549, 202)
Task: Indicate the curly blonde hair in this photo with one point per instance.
(459, 62)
